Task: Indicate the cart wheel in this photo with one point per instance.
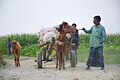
(73, 58)
(39, 60)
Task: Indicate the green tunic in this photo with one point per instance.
(98, 35)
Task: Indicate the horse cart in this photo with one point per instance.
(48, 38)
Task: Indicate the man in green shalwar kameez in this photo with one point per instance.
(98, 36)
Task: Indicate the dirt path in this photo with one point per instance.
(29, 71)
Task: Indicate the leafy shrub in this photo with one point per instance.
(30, 50)
(3, 45)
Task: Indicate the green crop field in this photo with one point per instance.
(29, 43)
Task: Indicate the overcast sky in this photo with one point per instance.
(27, 16)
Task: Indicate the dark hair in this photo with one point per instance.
(8, 39)
(74, 24)
(98, 18)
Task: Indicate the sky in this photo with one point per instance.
(27, 16)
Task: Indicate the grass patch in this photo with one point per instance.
(83, 54)
(111, 55)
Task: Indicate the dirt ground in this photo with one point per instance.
(29, 71)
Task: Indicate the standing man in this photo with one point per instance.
(9, 46)
(98, 36)
(75, 39)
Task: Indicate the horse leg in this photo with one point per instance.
(57, 60)
(18, 60)
(15, 59)
(63, 61)
(60, 60)
(44, 54)
(49, 53)
(60, 64)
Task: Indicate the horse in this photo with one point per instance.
(46, 40)
(56, 40)
(61, 44)
(15, 49)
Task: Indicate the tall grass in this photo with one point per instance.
(111, 48)
(29, 43)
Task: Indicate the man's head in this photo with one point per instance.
(96, 20)
(74, 25)
(9, 39)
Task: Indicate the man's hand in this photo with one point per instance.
(83, 28)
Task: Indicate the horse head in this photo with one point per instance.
(64, 31)
(13, 44)
(66, 28)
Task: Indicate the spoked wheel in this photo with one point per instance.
(73, 59)
(39, 60)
